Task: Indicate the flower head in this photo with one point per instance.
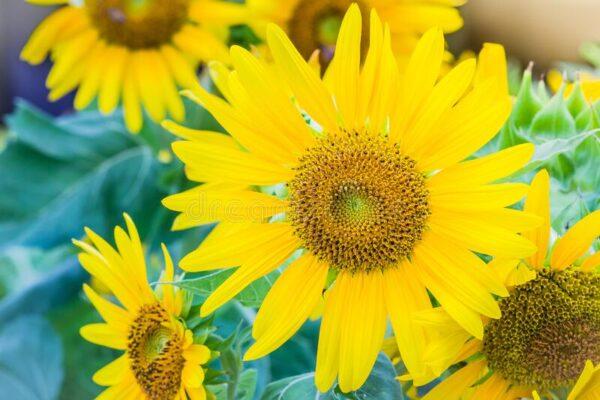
(549, 331)
(152, 47)
(160, 359)
(315, 24)
(358, 178)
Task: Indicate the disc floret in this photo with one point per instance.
(358, 203)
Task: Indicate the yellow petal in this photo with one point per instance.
(405, 295)
(453, 387)
(150, 93)
(452, 269)
(132, 107)
(274, 102)
(183, 70)
(363, 328)
(343, 71)
(92, 77)
(111, 313)
(113, 372)
(492, 64)
(538, 203)
(588, 384)
(328, 349)
(444, 95)
(213, 163)
(281, 315)
(309, 90)
(104, 335)
(422, 72)
(482, 237)
(493, 388)
(204, 206)
(576, 242)
(486, 197)
(197, 353)
(45, 36)
(112, 79)
(246, 123)
(254, 267)
(234, 247)
(484, 170)
(473, 122)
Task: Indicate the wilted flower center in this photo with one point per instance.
(358, 203)
(156, 353)
(549, 328)
(138, 24)
(315, 24)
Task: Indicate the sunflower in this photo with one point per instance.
(590, 84)
(357, 179)
(549, 331)
(137, 52)
(315, 24)
(161, 360)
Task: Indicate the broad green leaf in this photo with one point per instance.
(50, 282)
(75, 171)
(81, 358)
(381, 385)
(548, 150)
(251, 296)
(31, 360)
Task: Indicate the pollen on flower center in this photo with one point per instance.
(358, 203)
(137, 24)
(549, 328)
(156, 353)
(315, 25)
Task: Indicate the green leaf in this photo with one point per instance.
(381, 385)
(75, 171)
(51, 281)
(251, 296)
(547, 152)
(81, 358)
(31, 360)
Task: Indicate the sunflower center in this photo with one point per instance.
(549, 328)
(156, 353)
(315, 24)
(358, 203)
(138, 24)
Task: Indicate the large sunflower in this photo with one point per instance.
(359, 176)
(549, 331)
(137, 52)
(160, 360)
(314, 24)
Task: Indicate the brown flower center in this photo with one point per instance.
(358, 203)
(315, 24)
(549, 328)
(138, 24)
(156, 353)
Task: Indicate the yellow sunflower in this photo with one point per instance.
(138, 52)
(359, 176)
(549, 331)
(315, 24)
(160, 360)
(590, 84)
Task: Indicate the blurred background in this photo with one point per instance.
(542, 31)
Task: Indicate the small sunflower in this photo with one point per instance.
(549, 331)
(160, 360)
(138, 52)
(590, 84)
(359, 176)
(315, 24)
